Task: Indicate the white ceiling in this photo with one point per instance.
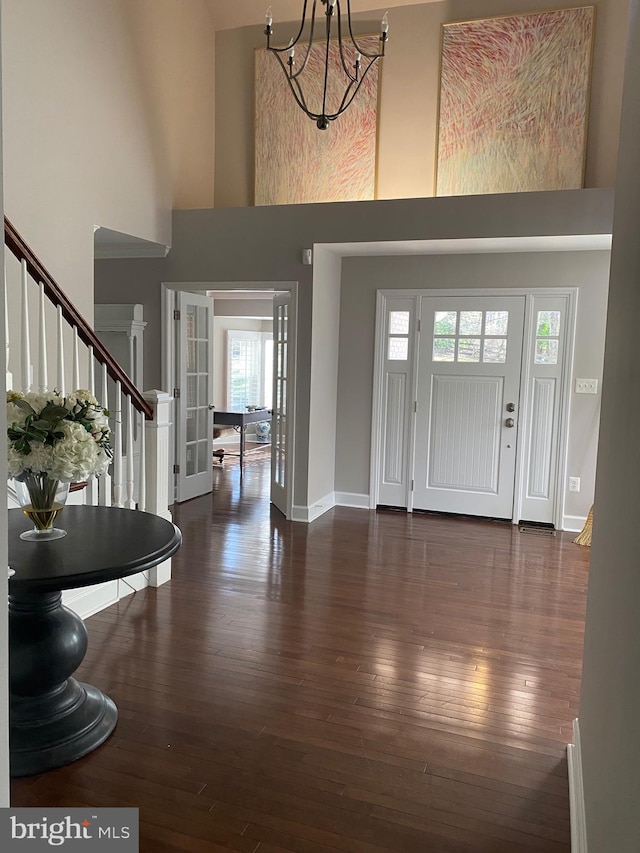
(243, 13)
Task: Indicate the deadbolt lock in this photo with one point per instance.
(511, 407)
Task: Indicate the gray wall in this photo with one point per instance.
(130, 281)
(243, 308)
(264, 244)
(362, 277)
(609, 729)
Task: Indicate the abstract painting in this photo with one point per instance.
(514, 94)
(295, 163)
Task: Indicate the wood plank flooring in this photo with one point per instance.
(371, 682)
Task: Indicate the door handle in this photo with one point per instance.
(510, 423)
(511, 407)
(211, 406)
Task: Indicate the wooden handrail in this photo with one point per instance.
(17, 245)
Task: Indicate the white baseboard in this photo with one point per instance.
(352, 499)
(134, 583)
(576, 793)
(91, 599)
(308, 514)
(573, 523)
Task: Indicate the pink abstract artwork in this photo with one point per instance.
(514, 95)
(295, 163)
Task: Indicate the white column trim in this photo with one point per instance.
(308, 514)
(576, 793)
(159, 457)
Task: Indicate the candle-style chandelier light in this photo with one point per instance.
(354, 61)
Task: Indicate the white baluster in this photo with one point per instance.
(25, 343)
(9, 376)
(76, 360)
(60, 384)
(104, 484)
(93, 487)
(117, 448)
(142, 481)
(91, 371)
(129, 501)
(43, 375)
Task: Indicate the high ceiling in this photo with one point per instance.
(243, 13)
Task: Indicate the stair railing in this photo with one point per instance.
(140, 422)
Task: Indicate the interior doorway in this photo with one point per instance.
(252, 371)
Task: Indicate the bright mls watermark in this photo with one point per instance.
(82, 830)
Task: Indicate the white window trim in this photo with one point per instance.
(260, 338)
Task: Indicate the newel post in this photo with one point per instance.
(157, 447)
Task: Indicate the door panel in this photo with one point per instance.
(466, 456)
(194, 426)
(543, 396)
(280, 462)
(470, 353)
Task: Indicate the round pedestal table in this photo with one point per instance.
(54, 719)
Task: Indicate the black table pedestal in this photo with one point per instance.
(54, 719)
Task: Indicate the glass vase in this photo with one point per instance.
(42, 500)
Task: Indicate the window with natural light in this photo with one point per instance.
(249, 369)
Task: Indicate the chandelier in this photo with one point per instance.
(354, 60)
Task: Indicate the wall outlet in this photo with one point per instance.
(586, 386)
(574, 484)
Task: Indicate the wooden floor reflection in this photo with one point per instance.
(370, 682)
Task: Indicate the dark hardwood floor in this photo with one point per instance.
(371, 682)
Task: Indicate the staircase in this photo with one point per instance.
(64, 353)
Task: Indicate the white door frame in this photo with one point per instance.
(559, 472)
(168, 360)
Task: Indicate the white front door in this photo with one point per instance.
(280, 421)
(468, 386)
(194, 416)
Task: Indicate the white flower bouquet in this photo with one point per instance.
(54, 440)
(64, 437)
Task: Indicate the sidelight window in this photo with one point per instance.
(398, 337)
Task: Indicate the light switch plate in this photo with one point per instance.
(586, 386)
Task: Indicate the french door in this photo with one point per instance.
(280, 420)
(194, 415)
